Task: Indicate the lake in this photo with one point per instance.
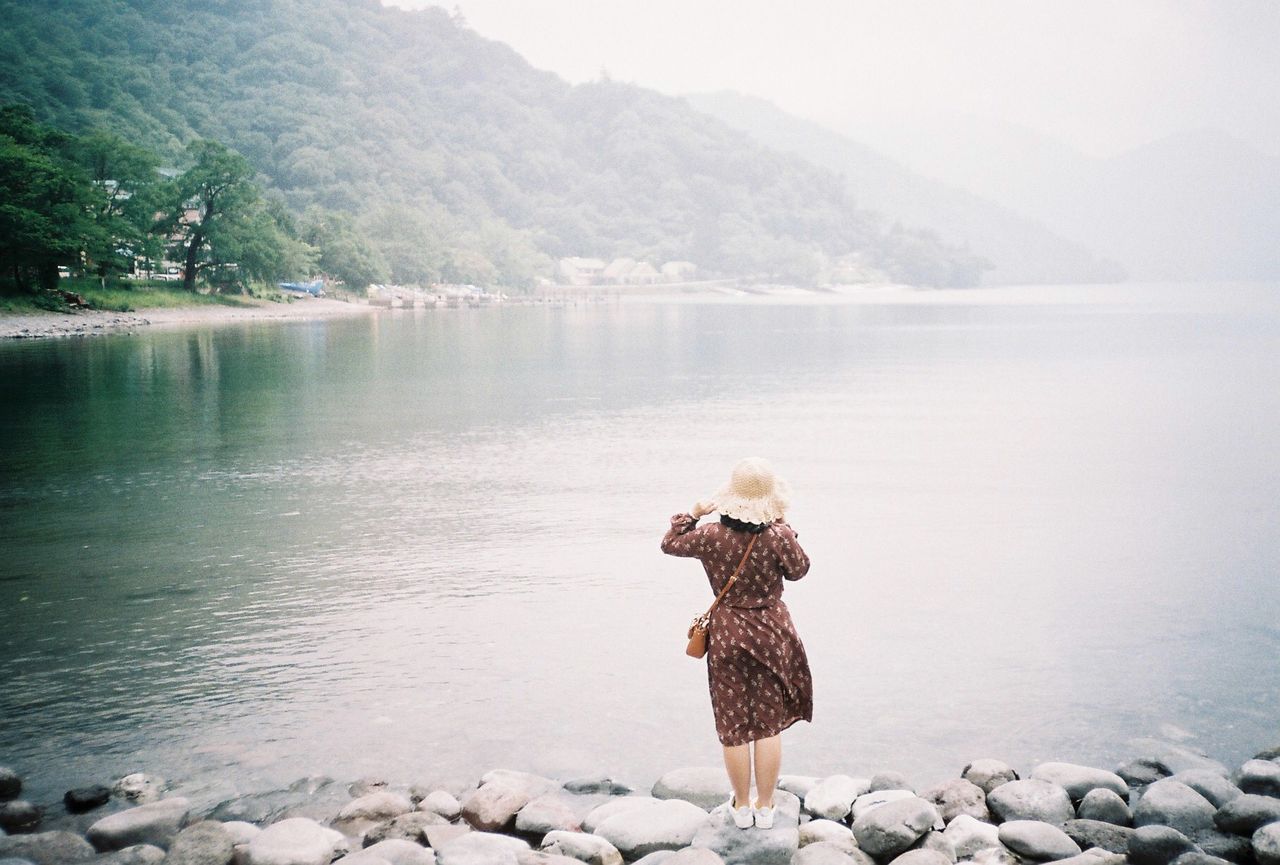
(1043, 522)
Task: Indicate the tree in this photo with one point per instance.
(344, 251)
(210, 201)
(124, 201)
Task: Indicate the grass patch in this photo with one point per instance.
(118, 296)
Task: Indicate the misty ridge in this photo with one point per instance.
(452, 154)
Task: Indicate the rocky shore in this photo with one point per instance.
(1170, 805)
(36, 325)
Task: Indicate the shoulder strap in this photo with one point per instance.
(751, 543)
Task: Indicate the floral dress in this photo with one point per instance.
(757, 670)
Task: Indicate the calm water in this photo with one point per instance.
(1043, 523)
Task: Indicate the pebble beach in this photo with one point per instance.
(1168, 805)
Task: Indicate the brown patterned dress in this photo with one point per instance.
(757, 669)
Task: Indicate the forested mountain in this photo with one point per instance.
(1023, 250)
(453, 154)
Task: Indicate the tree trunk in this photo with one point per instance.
(193, 250)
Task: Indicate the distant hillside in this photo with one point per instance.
(443, 142)
(1023, 250)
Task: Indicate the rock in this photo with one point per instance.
(406, 827)
(296, 841)
(19, 815)
(1171, 759)
(1037, 840)
(241, 832)
(10, 783)
(84, 799)
(396, 851)
(1261, 777)
(480, 848)
(537, 857)
(1172, 803)
(1158, 845)
(138, 854)
(441, 802)
(1093, 857)
(827, 832)
(603, 812)
(661, 825)
(365, 786)
(893, 827)
(888, 781)
(1272, 753)
(1199, 859)
(1245, 813)
(704, 786)
(936, 841)
(582, 846)
(825, 853)
(139, 788)
(1106, 806)
(534, 785)
(1098, 833)
(597, 784)
(657, 857)
(203, 843)
(969, 835)
(922, 857)
(438, 836)
(958, 796)
(694, 856)
(1139, 773)
(153, 823)
(798, 785)
(494, 804)
(832, 797)
(455, 786)
(773, 846)
(1001, 855)
(1079, 780)
(1032, 799)
(552, 811)
(1214, 787)
(1233, 848)
(46, 848)
(869, 801)
(379, 806)
(1266, 844)
(988, 774)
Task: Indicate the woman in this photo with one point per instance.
(757, 670)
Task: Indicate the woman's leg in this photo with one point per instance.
(768, 764)
(737, 762)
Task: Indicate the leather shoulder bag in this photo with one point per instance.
(697, 647)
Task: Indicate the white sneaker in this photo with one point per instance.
(764, 817)
(742, 817)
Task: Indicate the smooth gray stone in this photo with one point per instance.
(888, 781)
(798, 785)
(890, 829)
(704, 786)
(603, 812)
(657, 857)
(1001, 855)
(598, 784)
(824, 853)
(1097, 833)
(138, 854)
(1105, 806)
(921, 857)
(1272, 753)
(533, 785)
(1031, 799)
(83, 799)
(318, 798)
(968, 835)
(139, 788)
(1266, 844)
(1036, 840)
(989, 774)
(455, 786)
(1172, 759)
(405, 827)
(1079, 780)
(296, 841)
(537, 857)
(1171, 803)
(668, 824)
(1224, 845)
(241, 832)
(958, 796)
(46, 848)
(1214, 787)
(365, 786)
(937, 842)
(396, 851)
(372, 808)
(19, 815)
(822, 831)
(870, 801)
(441, 802)
(493, 806)
(10, 783)
(582, 846)
(151, 823)
(1141, 772)
(1199, 859)
(11, 861)
(773, 846)
(438, 836)
(480, 848)
(1261, 777)
(1094, 857)
(1245, 813)
(833, 796)
(695, 856)
(1158, 845)
(203, 843)
(555, 810)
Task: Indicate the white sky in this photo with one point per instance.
(1101, 75)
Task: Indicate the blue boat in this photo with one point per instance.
(315, 288)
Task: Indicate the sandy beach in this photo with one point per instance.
(92, 322)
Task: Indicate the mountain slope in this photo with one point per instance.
(1023, 250)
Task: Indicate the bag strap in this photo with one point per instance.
(751, 543)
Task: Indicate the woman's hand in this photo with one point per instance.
(700, 510)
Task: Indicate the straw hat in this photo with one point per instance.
(754, 493)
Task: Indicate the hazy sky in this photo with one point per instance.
(1102, 75)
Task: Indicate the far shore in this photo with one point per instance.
(33, 325)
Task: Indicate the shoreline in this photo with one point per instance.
(1168, 805)
(94, 322)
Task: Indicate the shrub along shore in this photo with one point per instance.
(1170, 805)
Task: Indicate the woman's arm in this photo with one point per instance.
(791, 557)
(683, 539)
